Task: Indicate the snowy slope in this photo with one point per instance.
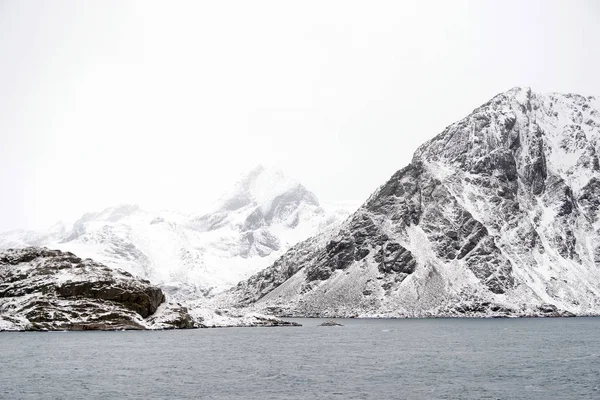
(191, 256)
(497, 215)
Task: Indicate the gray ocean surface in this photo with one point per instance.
(364, 359)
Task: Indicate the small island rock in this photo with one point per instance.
(331, 322)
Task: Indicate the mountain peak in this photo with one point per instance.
(522, 94)
(260, 176)
(261, 185)
(519, 89)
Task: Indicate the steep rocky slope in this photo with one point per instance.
(194, 256)
(497, 215)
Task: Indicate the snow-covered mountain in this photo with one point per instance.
(497, 215)
(264, 213)
(190, 256)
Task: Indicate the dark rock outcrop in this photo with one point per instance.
(330, 322)
(42, 289)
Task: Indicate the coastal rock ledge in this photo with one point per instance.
(42, 289)
(51, 290)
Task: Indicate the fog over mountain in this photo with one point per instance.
(140, 102)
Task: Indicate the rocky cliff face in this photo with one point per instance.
(43, 289)
(497, 215)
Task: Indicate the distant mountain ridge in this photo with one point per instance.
(498, 215)
(193, 256)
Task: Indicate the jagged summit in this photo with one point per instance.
(262, 186)
(264, 214)
(262, 197)
(563, 131)
(496, 215)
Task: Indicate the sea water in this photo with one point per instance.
(364, 359)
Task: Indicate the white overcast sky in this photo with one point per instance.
(166, 103)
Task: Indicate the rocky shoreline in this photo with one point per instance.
(51, 290)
